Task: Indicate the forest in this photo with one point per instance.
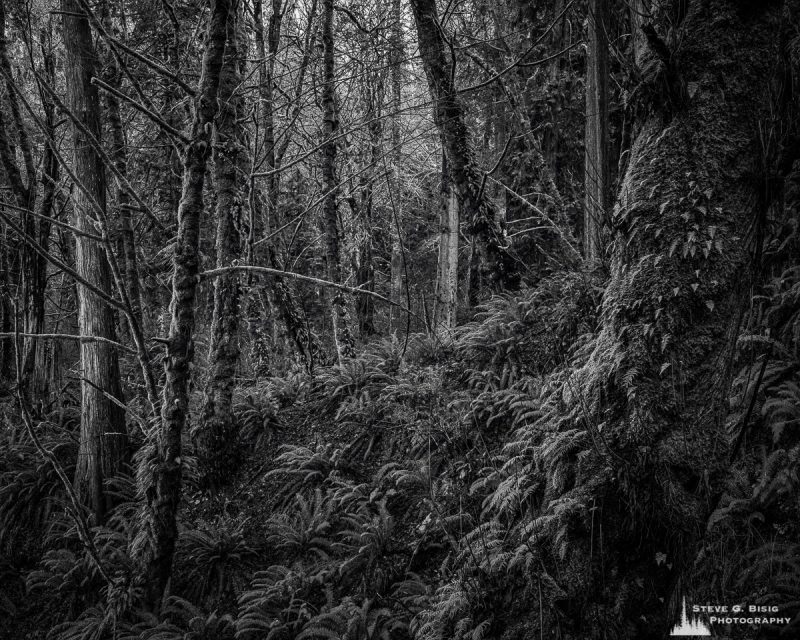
(399, 319)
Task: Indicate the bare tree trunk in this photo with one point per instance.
(167, 187)
(157, 537)
(217, 435)
(365, 267)
(479, 211)
(119, 154)
(36, 361)
(447, 273)
(103, 444)
(396, 53)
(596, 169)
(342, 335)
(22, 186)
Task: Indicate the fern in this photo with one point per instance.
(218, 558)
(305, 467)
(305, 530)
(276, 606)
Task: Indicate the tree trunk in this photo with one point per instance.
(103, 443)
(157, 536)
(37, 359)
(365, 267)
(659, 375)
(479, 211)
(396, 54)
(217, 437)
(640, 13)
(551, 136)
(596, 169)
(281, 296)
(447, 273)
(342, 335)
(22, 186)
(119, 154)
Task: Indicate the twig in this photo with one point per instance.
(113, 42)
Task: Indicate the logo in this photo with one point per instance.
(692, 626)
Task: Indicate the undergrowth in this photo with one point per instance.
(437, 491)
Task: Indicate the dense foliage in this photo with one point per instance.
(313, 345)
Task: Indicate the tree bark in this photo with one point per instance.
(658, 378)
(158, 535)
(281, 297)
(23, 189)
(396, 53)
(596, 169)
(342, 335)
(447, 272)
(216, 440)
(103, 442)
(365, 267)
(477, 209)
(119, 154)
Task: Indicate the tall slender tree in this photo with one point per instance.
(103, 443)
(396, 55)
(119, 155)
(342, 335)
(478, 210)
(158, 531)
(596, 169)
(216, 436)
(280, 297)
(447, 271)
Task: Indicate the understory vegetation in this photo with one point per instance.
(399, 319)
(427, 488)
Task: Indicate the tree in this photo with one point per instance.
(476, 208)
(103, 442)
(158, 532)
(596, 169)
(217, 435)
(397, 266)
(280, 297)
(342, 335)
(119, 154)
(659, 372)
(35, 210)
(447, 272)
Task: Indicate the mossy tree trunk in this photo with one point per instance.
(478, 210)
(217, 435)
(158, 532)
(652, 396)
